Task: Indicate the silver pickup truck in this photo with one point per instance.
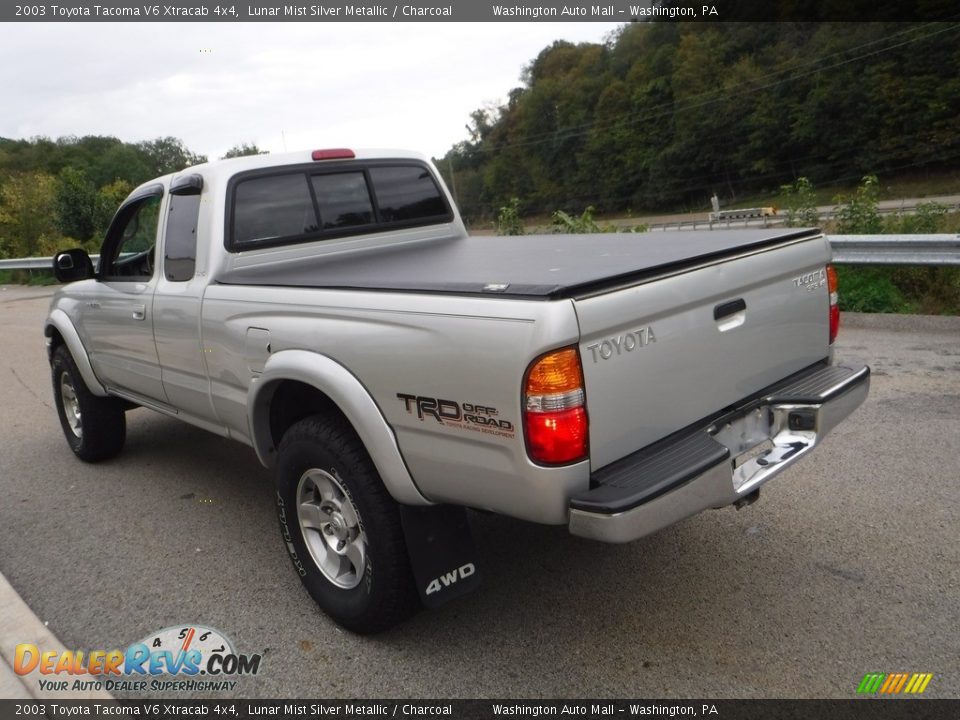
(329, 310)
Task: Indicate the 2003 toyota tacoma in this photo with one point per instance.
(329, 309)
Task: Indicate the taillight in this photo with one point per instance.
(333, 154)
(555, 416)
(834, 300)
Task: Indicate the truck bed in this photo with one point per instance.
(542, 267)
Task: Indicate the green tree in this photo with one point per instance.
(242, 150)
(662, 114)
(76, 204)
(27, 210)
(108, 200)
(168, 154)
(121, 161)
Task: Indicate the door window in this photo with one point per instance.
(132, 241)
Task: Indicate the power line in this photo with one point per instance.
(710, 93)
(714, 96)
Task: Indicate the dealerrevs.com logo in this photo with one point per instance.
(187, 657)
(894, 683)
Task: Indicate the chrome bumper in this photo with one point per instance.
(720, 464)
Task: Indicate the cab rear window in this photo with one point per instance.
(344, 199)
(268, 208)
(305, 203)
(405, 193)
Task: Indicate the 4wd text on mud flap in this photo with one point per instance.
(448, 579)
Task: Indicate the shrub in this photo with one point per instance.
(870, 289)
(859, 215)
(509, 221)
(800, 203)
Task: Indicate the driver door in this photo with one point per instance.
(118, 318)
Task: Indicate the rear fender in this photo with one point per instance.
(353, 400)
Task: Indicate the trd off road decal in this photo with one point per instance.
(466, 416)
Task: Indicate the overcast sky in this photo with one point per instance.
(279, 85)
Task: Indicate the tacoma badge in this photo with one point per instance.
(811, 281)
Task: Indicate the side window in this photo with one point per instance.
(276, 206)
(180, 246)
(133, 241)
(343, 199)
(406, 193)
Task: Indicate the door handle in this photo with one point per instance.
(727, 309)
(730, 315)
(139, 312)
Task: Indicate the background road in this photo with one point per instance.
(701, 220)
(850, 563)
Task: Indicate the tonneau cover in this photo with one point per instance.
(531, 266)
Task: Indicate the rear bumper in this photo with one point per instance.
(725, 461)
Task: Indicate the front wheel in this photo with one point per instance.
(341, 527)
(95, 427)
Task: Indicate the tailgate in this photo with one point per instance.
(661, 355)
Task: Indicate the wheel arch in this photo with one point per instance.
(295, 384)
(59, 330)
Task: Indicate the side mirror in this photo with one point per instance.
(72, 265)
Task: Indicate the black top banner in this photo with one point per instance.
(616, 11)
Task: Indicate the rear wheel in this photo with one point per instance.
(95, 427)
(341, 527)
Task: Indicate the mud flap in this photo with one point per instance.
(441, 550)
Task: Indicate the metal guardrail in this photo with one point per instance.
(34, 263)
(26, 264)
(896, 249)
(847, 249)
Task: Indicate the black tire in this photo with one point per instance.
(95, 427)
(327, 481)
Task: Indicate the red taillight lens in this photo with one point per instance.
(832, 286)
(555, 419)
(834, 322)
(557, 437)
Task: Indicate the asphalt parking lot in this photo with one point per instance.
(850, 562)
